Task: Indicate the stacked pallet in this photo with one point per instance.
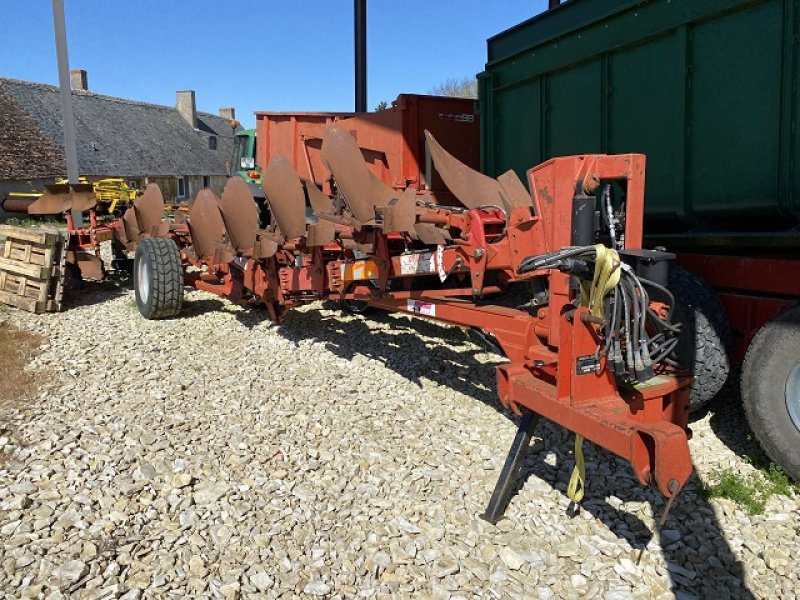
(32, 268)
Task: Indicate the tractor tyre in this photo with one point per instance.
(158, 278)
(705, 338)
(771, 389)
(264, 214)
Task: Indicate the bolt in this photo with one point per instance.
(478, 253)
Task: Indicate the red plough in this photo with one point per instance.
(592, 348)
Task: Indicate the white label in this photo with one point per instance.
(421, 307)
(411, 264)
(457, 117)
(440, 263)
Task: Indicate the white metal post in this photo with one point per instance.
(67, 115)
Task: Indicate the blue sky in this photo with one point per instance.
(258, 55)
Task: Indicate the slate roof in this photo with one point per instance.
(115, 136)
(25, 151)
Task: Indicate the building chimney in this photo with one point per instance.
(227, 112)
(79, 80)
(186, 106)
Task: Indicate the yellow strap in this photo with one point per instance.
(577, 481)
(606, 277)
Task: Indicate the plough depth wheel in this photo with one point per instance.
(158, 278)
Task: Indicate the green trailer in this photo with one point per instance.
(708, 90)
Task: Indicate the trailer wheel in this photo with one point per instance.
(705, 336)
(771, 389)
(356, 307)
(158, 278)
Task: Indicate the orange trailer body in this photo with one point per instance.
(391, 140)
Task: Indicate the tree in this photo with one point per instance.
(383, 105)
(466, 87)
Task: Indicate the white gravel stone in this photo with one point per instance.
(511, 559)
(215, 455)
(181, 480)
(317, 588)
(442, 567)
(70, 572)
(262, 581)
(210, 494)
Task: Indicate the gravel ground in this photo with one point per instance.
(337, 456)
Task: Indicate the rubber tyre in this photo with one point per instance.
(771, 358)
(355, 307)
(158, 278)
(705, 338)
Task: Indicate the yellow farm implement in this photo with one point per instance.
(112, 194)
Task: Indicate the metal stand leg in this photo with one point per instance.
(508, 476)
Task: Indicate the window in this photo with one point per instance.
(206, 181)
(133, 184)
(212, 142)
(183, 188)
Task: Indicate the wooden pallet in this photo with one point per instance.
(33, 268)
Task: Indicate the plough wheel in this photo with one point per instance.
(158, 278)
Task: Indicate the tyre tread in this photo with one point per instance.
(712, 335)
(166, 273)
(781, 443)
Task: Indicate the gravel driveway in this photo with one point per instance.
(216, 455)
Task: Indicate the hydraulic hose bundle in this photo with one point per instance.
(634, 337)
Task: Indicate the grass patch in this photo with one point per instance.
(751, 491)
(36, 222)
(780, 482)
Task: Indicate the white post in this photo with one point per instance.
(67, 115)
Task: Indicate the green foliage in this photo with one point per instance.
(753, 491)
(466, 87)
(54, 222)
(780, 481)
(382, 105)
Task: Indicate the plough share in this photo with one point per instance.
(592, 348)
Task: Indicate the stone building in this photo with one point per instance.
(180, 148)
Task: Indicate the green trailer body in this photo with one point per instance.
(707, 89)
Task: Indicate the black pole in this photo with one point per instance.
(508, 479)
(360, 15)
